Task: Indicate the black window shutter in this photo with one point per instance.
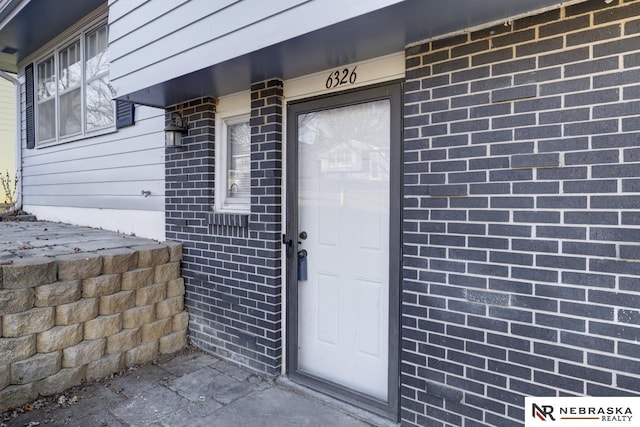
(29, 106)
(125, 114)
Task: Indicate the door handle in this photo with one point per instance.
(288, 243)
(302, 265)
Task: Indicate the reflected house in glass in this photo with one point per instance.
(358, 158)
(361, 157)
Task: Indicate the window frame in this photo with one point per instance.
(223, 121)
(55, 52)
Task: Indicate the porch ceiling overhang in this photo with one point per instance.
(378, 33)
(26, 25)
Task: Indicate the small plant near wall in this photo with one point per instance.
(9, 188)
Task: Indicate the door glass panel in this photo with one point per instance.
(343, 205)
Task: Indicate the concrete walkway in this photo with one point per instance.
(189, 389)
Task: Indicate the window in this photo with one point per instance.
(233, 154)
(233, 177)
(73, 94)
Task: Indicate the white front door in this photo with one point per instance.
(342, 233)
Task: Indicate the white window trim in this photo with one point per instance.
(230, 110)
(55, 51)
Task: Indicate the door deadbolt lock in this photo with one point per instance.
(303, 235)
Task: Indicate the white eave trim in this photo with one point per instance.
(4, 4)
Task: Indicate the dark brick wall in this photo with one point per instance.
(522, 166)
(231, 263)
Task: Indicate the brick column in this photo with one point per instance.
(189, 176)
(266, 211)
(231, 263)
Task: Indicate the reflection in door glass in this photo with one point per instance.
(347, 141)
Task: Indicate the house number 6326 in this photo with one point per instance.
(341, 77)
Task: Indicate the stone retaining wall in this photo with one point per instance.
(84, 316)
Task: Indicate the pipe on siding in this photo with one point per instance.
(18, 142)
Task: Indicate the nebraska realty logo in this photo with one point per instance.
(579, 411)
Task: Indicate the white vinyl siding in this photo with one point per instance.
(152, 42)
(106, 173)
(98, 180)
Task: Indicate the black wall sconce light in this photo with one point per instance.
(175, 130)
